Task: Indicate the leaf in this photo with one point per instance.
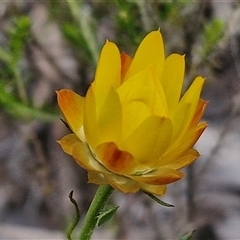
(212, 33)
(19, 37)
(187, 236)
(24, 111)
(106, 214)
(76, 218)
(158, 200)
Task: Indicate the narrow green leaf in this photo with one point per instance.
(187, 236)
(19, 37)
(106, 214)
(76, 219)
(212, 33)
(21, 110)
(158, 200)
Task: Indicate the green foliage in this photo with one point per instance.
(19, 36)
(107, 213)
(164, 10)
(187, 236)
(74, 36)
(129, 22)
(157, 200)
(212, 33)
(23, 111)
(13, 97)
(76, 218)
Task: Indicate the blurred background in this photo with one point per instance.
(49, 45)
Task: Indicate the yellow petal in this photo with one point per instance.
(154, 189)
(121, 183)
(199, 112)
(84, 157)
(90, 119)
(181, 120)
(125, 63)
(182, 145)
(114, 159)
(184, 160)
(150, 51)
(159, 176)
(189, 138)
(67, 143)
(71, 105)
(110, 119)
(187, 107)
(108, 72)
(97, 178)
(150, 140)
(172, 79)
(140, 98)
(193, 92)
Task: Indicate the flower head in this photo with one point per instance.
(134, 129)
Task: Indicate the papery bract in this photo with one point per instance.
(134, 130)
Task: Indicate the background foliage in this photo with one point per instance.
(49, 45)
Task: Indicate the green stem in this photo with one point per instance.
(100, 199)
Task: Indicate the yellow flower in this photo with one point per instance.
(134, 130)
